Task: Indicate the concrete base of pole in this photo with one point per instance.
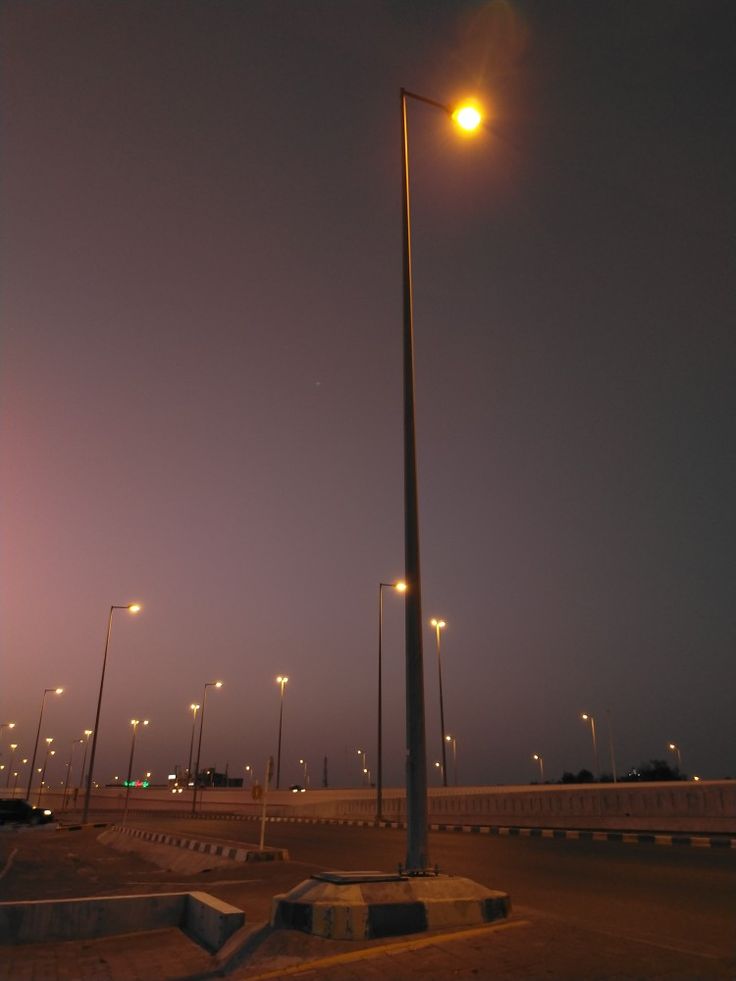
(363, 905)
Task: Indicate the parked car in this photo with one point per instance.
(17, 811)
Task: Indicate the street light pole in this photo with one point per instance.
(401, 588)
(610, 745)
(453, 740)
(674, 748)
(281, 681)
(69, 770)
(208, 684)
(589, 718)
(56, 691)
(438, 626)
(135, 723)
(49, 752)
(131, 608)
(417, 853)
(540, 761)
(13, 747)
(194, 708)
(87, 734)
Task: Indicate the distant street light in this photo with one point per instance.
(363, 767)
(589, 718)
(248, 774)
(69, 770)
(281, 681)
(13, 747)
(135, 723)
(674, 748)
(610, 746)
(208, 684)
(440, 625)
(400, 587)
(540, 761)
(56, 691)
(87, 734)
(305, 779)
(49, 752)
(453, 741)
(438, 766)
(194, 709)
(131, 608)
(417, 853)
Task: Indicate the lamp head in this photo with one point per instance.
(400, 586)
(134, 608)
(467, 117)
(58, 691)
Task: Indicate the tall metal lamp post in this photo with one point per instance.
(208, 684)
(400, 587)
(194, 709)
(135, 723)
(131, 608)
(417, 853)
(56, 691)
(281, 681)
(589, 718)
(440, 625)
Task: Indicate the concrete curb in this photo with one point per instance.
(233, 852)
(83, 827)
(571, 834)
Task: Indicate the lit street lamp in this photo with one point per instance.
(135, 723)
(49, 752)
(589, 718)
(131, 608)
(674, 748)
(540, 761)
(281, 681)
(400, 587)
(69, 770)
(56, 691)
(208, 684)
(417, 856)
(13, 747)
(453, 741)
(305, 779)
(194, 709)
(87, 734)
(363, 767)
(438, 626)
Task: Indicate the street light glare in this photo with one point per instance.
(467, 117)
(134, 608)
(400, 587)
(218, 684)
(58, 691)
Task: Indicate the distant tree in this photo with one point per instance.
(654, 770)
(582, 776)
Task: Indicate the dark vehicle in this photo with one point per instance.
(296, 788)
(17, 811)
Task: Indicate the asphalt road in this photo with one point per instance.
(674, 897)
(581, 909)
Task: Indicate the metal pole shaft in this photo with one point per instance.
(191, 745)
(35, 748)
(595, 747)
(442, 712)
(417, 854)
(130, 771)
(379, 767)
(90, 772)
(610, 746)
(278, 752)
(199, 752)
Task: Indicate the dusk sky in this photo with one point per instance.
(200, 378)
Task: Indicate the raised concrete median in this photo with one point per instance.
(204, 918)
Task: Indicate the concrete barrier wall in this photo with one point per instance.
(687, 806)
(206, 919)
